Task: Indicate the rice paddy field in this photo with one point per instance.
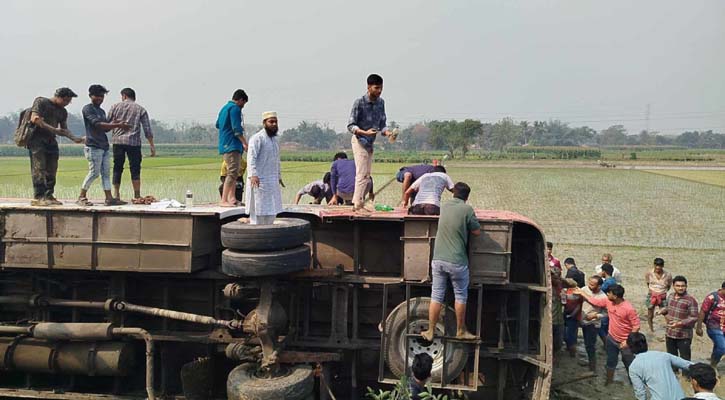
(636, 215)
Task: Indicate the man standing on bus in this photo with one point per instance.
(450, 259)
(367, 118)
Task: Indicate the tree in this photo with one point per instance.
(311, 135)
(503, 133)
(615, 135)
(454, 136)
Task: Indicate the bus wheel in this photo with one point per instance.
(455, 358)
(293, 382)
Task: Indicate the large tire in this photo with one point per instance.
(296, 383)
(456, 356)
(284, 233)
(271, 263)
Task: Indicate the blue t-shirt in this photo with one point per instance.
(342, 176)
(608, 283)
(230, 127)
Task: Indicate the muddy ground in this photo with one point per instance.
(573, 381)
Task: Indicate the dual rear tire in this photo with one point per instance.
(256, 251)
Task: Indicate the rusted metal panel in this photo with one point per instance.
(489, 254)
(418, 248)
(87, 239)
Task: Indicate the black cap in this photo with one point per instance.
(97, 90)
(65, 92)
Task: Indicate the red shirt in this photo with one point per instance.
(623, 318)
(716, 319)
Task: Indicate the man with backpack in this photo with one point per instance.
(712, 313)
(38, 127)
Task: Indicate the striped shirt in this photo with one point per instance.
(134, 115)
(681, 309)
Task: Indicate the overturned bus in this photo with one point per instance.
(134, 302)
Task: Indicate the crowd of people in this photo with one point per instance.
(596, 304)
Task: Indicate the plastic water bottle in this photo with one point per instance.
(383, 207)
(189, 199)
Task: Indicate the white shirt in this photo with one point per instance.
(263, 161)
(430, 187)
(617, 275)
(706, 396)
(587, 308)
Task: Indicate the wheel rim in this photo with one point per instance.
(417, 345)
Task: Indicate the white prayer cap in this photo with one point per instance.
(269, 114)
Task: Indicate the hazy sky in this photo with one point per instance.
(592, 63)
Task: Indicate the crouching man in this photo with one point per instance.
(450, 259)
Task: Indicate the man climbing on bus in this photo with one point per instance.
(450, 259)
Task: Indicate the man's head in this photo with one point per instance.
(549, 248)
(679, 283)
(703, 377)
(97, 93)
(461, 191)
(615, 293)
(375, 86)
(63, 96)
(240, 98)
(439, 168)
(607, 270)
(569, 262)
(595, 283)
(326, 178)
(659, 265)
(606, 258)
(340, 156)
(722, 289)
(637, 342)
(422, 365)
(269, 120)
(128, 94)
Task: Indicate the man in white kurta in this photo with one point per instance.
(263, 194)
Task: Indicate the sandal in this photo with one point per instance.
(83, 202)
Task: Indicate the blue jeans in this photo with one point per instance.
(718, 344)
(613, 351)
(457, 273)
(572, 328)
(590, 333)
(99, 164)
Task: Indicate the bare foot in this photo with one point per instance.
(226, 204)
(428, 335)
(466, 335)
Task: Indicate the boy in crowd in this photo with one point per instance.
(703, 379)
(592, 318)
(680, 311)
(623, 320)
(653, 371)
(658, 283)
(607, 259)
(421, 368)
(572, 272)
(712, 313)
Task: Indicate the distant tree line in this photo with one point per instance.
(455, 137)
